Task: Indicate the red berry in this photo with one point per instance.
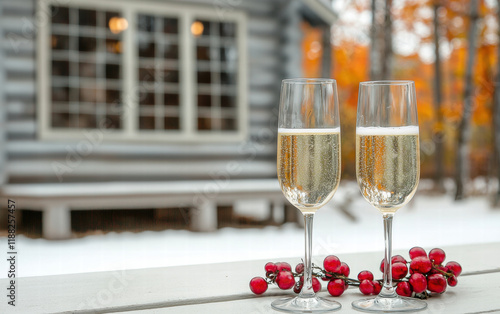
(298, 286)
(420, 264)
(398, 258)
(271, 267)
(376, 287)
(452, 281)
(418, 282)
(437, 256)
(332, 264)
(285, 280)
(336, 287)
(366, 287)
(436, 283)
(417, 251)
(316, 284)
(404, 289)
(365, 275)
(283, 266)
(440, 267)
(327, 277)
(399, 270)
(344, 269)
(258, 285)
(455, 268)
(299, 269)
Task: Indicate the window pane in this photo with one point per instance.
(147, 99)
(171, 76)
(60, 42)
(87, 69)
(228, 124)
(228, 101)
(171, 100)
(227, 29)
(87, 44)
(87, 121)
(60, 120)
(202, 53)
(112, 96)
(171, 51)
(87, 17)
(228, 78)
(147, 123)
(171, 123)
(204, 77)
(146, 74)
(60, 94)
(60, 15)
(60, 68)
(113, 122)
(146, 23)
(204, 124)
(113, 46)
(170, 26)
(147, 49)
(204, 100)
(112, 71)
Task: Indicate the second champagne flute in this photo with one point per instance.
(308, 167)
(387, 169)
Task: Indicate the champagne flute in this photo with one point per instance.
(387, 169)
(308, 167)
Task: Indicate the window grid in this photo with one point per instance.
(76, 104)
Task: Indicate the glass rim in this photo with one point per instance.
(309, 81)
(386, 82)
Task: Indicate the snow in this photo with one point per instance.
(428, 221)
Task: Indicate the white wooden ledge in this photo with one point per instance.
(202, 197)
(223, 288)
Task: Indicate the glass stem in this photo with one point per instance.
(388, 291)
(307, 290)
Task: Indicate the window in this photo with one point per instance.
(141, 71)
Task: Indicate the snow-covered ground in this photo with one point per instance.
(427, 221)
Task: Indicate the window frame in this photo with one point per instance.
(188, 132)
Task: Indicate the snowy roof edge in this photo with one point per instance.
(322, 9)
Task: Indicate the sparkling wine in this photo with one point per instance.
(309, 166)
(387, 165)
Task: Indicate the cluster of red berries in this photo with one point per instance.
(424, 272)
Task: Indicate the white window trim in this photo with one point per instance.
(188, 116)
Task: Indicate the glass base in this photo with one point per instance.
(305, 305)
(396, 304)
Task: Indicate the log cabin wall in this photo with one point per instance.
(31, 160)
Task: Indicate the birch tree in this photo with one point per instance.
(464, 130)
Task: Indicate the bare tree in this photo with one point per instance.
(387, 43)
(496, 119)
(438, 92)
(381, 40)
(374, 50)
(462, 164)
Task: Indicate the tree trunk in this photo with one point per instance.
(326, 59)
(374, 45)
(438, 92)
(496, 120)
(386, 60)
(462, 164)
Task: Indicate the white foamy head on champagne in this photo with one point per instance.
(402, 130)
(309, 131)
